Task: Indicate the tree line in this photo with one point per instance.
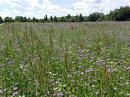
(121, 14)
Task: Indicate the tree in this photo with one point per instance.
(34, 20)
(94, 17)
(77, 18)
(46, 18)
(55, 19)
(86, 19)
(18, 19)
(62, 19)
(1, 20)
(123, 14)
(51, 19)
(68, 18)
(113, 15)
(101, 17)
(73, 19)
(81, 18)
(29, 20)
(8, 19)
(24, 19)
(41, 20)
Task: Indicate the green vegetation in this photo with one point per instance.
(1, 20)
(121, 14)
(65, 59)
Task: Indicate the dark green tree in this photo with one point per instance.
(94, 17)
(51, 19)
(46, 18)
(1, 20)
(24, 19)
(29, 20)
(62, 19)
(123, 13)
(101, 17)
(41, 20)
(77, 19)
(18, 19)
(81, 18)
(55, 19)
(68, 18)
(73, 19)
(8, 19)
(112, 16)
(34, 20)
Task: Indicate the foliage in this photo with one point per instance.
(55, 19)
(121, 14)
(8, 19)
(1, 20)
(51, 19)
(95, 17)
(46, 18)
(65, 59)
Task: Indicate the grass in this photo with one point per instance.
(65, 59)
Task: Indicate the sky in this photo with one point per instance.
(39, 8)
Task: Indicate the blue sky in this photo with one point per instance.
(64, 3)
(38, 8)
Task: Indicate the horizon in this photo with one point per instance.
(39, 8)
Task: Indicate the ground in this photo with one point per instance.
(65, 59)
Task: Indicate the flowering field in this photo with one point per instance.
(65, 59)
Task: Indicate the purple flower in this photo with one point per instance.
(128, 68)
(100, 62)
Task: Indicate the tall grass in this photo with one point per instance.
(65, 59)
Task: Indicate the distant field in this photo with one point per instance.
(65, 59)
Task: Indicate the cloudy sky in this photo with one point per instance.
(38, 8)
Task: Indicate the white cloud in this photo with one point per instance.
(89, 6)
(38, 8)
(4, 13)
